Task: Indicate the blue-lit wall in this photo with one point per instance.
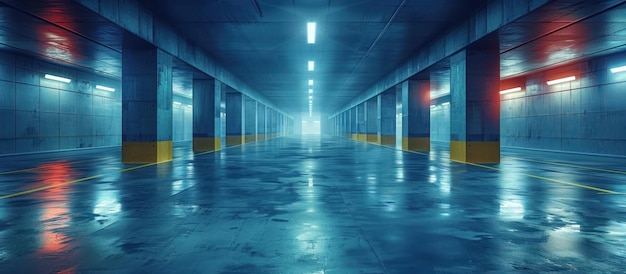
(440, 120)
(182, 119)
(37, 114)
(586, 115)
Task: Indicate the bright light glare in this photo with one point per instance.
(310, 29)
(177, 103)
(57, 78)
(618, 69)
(310, 90)
(310, 82)
(561, 80)
(311, 65)
(445, 104)
(105, 88)
(511, 90)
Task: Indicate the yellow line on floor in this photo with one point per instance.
(600, 190)
(19, 170)
(567, 165)
(39, 167)
(48, 187)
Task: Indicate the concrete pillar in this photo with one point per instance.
(270, 123)
(261, 122)
(354, 133)
(235, 119)
(250, 124)
(146, 106)
(207, 99)
(361, 122)
(387, 118)
(475, 105)
(416, 115)
(371, 120)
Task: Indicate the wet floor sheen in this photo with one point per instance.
(310, 205)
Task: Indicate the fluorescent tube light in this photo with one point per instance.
(310, 82)
(57, 78)
(310, 90)
(310, 30)
(433, 106)
(105, 88)
(445, 104)
(311, 65)
(618, 69)
(177, 103)
(561, 80)
(310, 97)
(511, 90)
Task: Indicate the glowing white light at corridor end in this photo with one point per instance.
(310, 29)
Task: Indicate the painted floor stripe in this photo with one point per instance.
(567, 165)
(600, 190)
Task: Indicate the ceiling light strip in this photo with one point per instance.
(310, 29)
(516, 89)
(561, 80)
(618, 69)
(105, 88)
(57, 78)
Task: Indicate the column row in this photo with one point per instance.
(221, 115)
(400, 116)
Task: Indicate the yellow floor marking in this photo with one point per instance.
(48, 187)
(600, 190)
(39, 167)
(86, 178)
(20, 170)
(568, 165)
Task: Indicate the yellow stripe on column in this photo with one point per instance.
(475, 152)
(416, 143)
(387, 140)
(250, 138)
(146, 152)
(260, 137)
(354, 136)
(206, 144)
(362, 137)
(234, 140)
(372, 138)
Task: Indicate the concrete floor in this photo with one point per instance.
(292, 205)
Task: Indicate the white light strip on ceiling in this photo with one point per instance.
(310, 90)
(311, 65)
(511, 90)
(105, 88)
(561, 80)
(618, 69)
(445, 104)
(310, 29)
(177, 103)
(57, 78)
(310, 82)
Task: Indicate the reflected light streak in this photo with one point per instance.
(55, 215)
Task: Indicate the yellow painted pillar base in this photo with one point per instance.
(250, 138)
(260, 137)
(146, 152)
(362, 137)
(416, 143)
(234, 140)
(207, 144)
(372, 138)
(475, 152)
(354, 136)
(387, 140)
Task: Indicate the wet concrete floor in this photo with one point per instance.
(311, 205)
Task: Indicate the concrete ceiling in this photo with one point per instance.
(358, 42)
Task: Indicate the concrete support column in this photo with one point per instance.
(361, 122)
(371, 120)
(416, 115)
(271, 122)
(207, 99)
(261, 122)
(354, 134)
(235, 119)
(250, 124)
(146, 106)
(387, 118)
(475, 105)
